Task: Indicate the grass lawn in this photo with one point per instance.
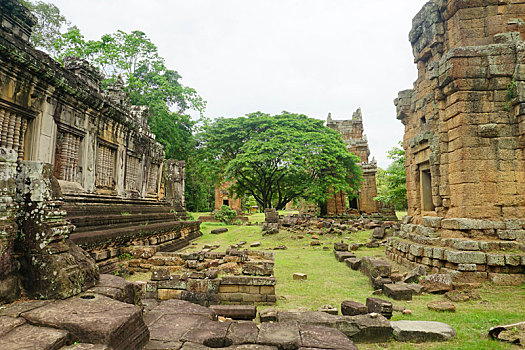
(331, 282)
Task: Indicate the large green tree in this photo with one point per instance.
(391, 183)
(279, 158)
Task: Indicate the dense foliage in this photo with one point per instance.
(225, 215)
(279, 158)
(391, 183)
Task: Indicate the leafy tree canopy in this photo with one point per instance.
(392, 181)
(279, 158)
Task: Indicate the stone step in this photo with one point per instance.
(95, 223)
(90, 238)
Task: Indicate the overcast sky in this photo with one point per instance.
(303, 56)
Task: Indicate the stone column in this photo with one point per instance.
(51, 266)
(9, 286)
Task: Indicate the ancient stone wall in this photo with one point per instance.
(207, 278)
(357, 143)
(223, 197)
(65, 144)
(464, 140)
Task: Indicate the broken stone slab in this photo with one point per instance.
(422, 331)
(93, 318)
(353, 263)
(359, 328)
(512, 333)
(255, 244)
(7, 324)
(243, 333)
(284, 335)
(219, 230)
(437, 283)
(415, 274)
(177, 307)
(300, 276)
(172, 327)
(252, 347)
(379, 306)
(398, 291)
(417, 289)
(340, 247)
(268, 315)
(324, 338)
(441, 306)
(375, 267)
(353, 308)
(117, 288)
(379, 282)
(31, 337)
(342, 256)
(16, 309)
(379, 232)
(236, 312)
(209, 333)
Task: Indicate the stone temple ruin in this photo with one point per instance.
(357, 143)
(74, 156)
(464, 142)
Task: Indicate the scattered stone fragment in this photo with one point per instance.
(442, 306)
(437, 283)
(255, 244)
(379, 282)
(379, 232)
(422, 331)
(218, 230)
(268, 315)
(352, 308)
(375, 267)
(457, 296)
(415, 274)
(343, 255)
(353, 263)
(379, 306)
(354, 246)
(280, 247)
(329, 309)
(407, 312)
(315, 237)
(398, 291)
(417, 289)
(300, 276)
(341, 246)
(315, 243)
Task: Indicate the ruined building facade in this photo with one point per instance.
(357, 143)
(73, 155)
(465, 142)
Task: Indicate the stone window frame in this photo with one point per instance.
(65, 128)
(139, 179)
(114, 148)
(27, 116)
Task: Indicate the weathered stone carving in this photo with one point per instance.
(464, 142)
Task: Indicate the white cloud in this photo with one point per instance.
(304, 56)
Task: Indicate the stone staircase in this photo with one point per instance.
(105, 225)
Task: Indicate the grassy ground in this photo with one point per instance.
(331, 282)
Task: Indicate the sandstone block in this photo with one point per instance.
(340, 247)
(243, 333)
(320, 337)
(236, 312)
(422, 331)
(374, 267)
(437, 283)
(343, 255)
(441, 306)
(352, 308)
(299, 276)
(353, 263)
(283, 335)
(379, 306)
(398, 291)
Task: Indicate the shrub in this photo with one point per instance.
(225, 215)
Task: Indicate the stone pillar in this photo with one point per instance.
(51, 266)
(9, 286)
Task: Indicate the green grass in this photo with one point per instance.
(331, 282)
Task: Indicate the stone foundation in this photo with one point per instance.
(246, 276)
(468, 249)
